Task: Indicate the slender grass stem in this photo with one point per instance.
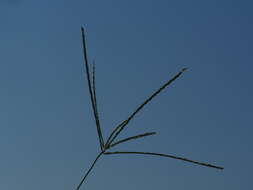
(88, 172)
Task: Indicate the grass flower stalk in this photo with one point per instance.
(110, 142)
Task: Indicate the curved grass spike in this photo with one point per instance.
(113, 132)
(132, 138)
(168, 156)
(94, 108)
(117, 130)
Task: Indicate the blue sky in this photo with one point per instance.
(47, 134)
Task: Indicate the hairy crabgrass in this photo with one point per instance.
(111, 141)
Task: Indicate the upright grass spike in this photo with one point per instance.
(169, 156)
(95, 103)
(90, 90)
(120, 128)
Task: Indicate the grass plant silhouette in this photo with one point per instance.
(111, 141)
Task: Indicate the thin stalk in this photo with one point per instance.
(87, 173)
(169, 156)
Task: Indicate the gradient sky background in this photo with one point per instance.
(47, 134)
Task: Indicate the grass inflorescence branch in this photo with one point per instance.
(110, 142)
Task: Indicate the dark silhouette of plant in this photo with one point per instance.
(111, 141)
